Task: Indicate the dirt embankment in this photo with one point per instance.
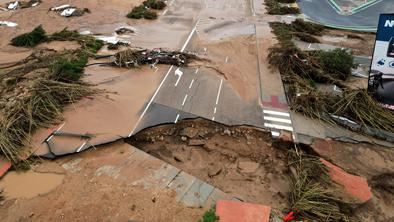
(241, 161)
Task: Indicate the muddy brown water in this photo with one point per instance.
(29, 184)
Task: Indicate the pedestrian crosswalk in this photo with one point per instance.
(276, 121)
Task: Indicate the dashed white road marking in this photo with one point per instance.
(220, 89)
(275, 119)
(165, 11)
(276, 126)
(196, 71)
(80, 148)
(176, 119)
(309, 46)
(276, 113)
(184, 100)
(213, 118)
(214, 111)
(191, 84)
(226, 59)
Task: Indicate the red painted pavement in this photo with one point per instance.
(274, 103)
(4, 167)
(354, 185)
(230, 211)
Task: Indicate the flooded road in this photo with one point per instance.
(29, 184)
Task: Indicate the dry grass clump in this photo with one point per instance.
(33, 95)
(274, 8)
(356, 105)
(311, 193)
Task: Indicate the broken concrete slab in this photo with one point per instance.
(230, 211)
(356, 189)
(190, 132)
(196, 142)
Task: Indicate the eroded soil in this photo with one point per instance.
(241, 161)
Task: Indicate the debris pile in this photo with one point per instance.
(275, 7)
(68, 10)
(22, 4)
(136, 57)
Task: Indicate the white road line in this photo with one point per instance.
(60, 127)
(165, 11)
(280, 120)
(151, 100)
(196, 71)
(220, 88)
(83, 144)
(184, 100)
(275, 126)
(309, 46)
(226, 59)
(188, 39)
(176, 119)
(276, 113)
(191, 84)
(178, 73)
(213, 118)
(214, 111)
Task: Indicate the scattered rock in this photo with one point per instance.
(183, 138)
(214, 169)
(196, 142)
(248, 166)
(189, 132)
(179, 158)
(227, 132)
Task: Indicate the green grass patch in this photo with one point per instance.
(140, 12)
(69, 70)
(137, 12)
(30, 39)
(338, 62)
(209, 216)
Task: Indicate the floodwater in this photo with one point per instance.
(29, 184)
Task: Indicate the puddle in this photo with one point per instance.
(29, 184)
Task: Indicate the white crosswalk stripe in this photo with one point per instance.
(276, 120)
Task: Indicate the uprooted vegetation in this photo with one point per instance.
(301, 71)
(38, 35)
(312, 194)
(299, 28)
(147, 9)
(137, 57)
(35, 90)
(274, 7)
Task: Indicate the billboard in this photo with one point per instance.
(381, 76)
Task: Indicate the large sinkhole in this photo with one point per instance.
(239, 160)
